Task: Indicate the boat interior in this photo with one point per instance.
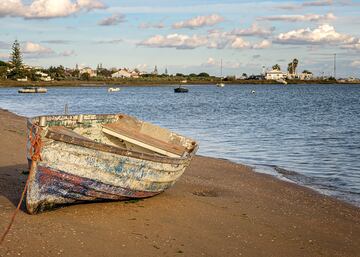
(119, 130)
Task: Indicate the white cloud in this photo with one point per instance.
(199, 21)
(353, 46)
(301, 18)
(318, 3)
(324, 34)
(56, 41)
(219, 39)
(211, 62)
(288, 6)
(254, 30)
(145, 25)
(90, 4)
(263, 44)
(46, 9)
(68, 53)
(215, 39)
(348, 3)
(110, 41)
(115, 19)
(291, 6)
(10, 7)
(34, 48)
(175, 41)
(238, 43)
(4, 56)
(142, 67)
(355, 64)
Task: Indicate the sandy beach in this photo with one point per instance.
(217, 208)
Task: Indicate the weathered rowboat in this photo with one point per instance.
(76, 158)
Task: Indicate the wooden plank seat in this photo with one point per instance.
(67, 132)
(132, 135)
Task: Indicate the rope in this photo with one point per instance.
(35, 145)
(35, 153)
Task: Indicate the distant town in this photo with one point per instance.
(15, 71)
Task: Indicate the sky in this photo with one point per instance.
(187, 36)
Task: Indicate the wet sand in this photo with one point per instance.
(217, 208)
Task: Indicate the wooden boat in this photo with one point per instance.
(77, 158)
(181, 90)
(32, 90)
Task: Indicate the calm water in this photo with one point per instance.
(308, 134)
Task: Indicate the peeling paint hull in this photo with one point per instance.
(75, 169)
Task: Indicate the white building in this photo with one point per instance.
(306, 76)
(43, 76)
(275, 75)
(22, 79)
(135, 74)
(88, 70)
(125, 73)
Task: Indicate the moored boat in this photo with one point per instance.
(181, 90)
(113, 89)
(77, 158)
(32, 90)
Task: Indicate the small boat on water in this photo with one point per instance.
(181, 90)
(82, 158)
(220, 85)
(30, 90)
(113, 89)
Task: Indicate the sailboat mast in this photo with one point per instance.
(221, 69)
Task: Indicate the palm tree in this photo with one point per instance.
(292, 66)
(295, 64)
(276, 67)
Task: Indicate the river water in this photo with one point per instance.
(309, 134)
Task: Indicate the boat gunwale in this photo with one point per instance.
(88, 143)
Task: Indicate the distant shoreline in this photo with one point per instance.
(140, 82)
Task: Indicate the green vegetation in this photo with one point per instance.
(58, 73)
(16, 57)
(2, 64)
(85, 76)
(12, 71)
(276, 67)
(292, 66)
(3, 69)
(16, 62)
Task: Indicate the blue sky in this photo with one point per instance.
(185, 36)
